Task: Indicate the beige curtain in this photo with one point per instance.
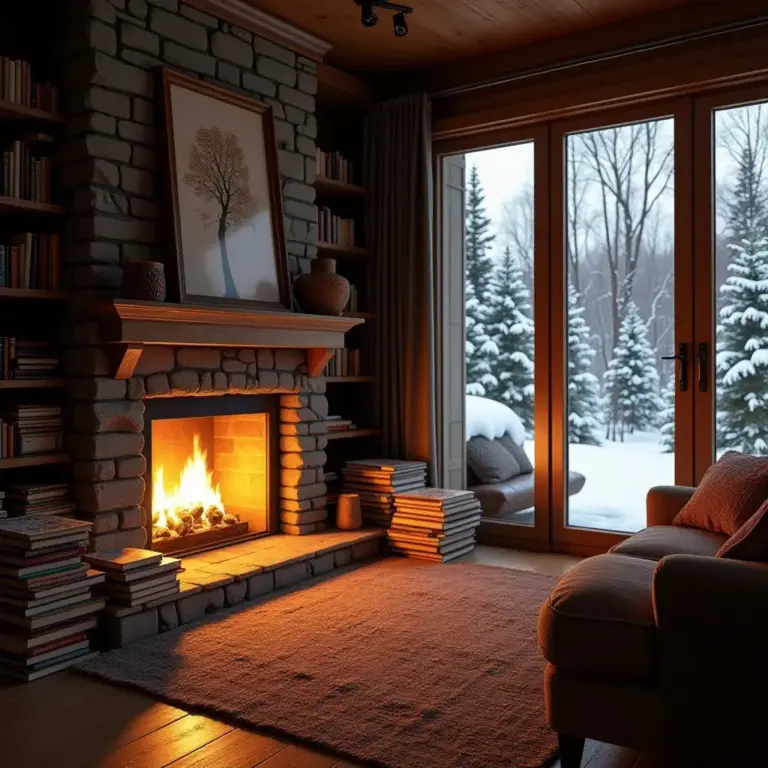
(398, 172)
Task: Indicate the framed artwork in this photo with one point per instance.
(224, 194)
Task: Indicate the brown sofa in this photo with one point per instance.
(660, 647)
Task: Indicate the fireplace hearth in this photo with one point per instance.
(212, 470)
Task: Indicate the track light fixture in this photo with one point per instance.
(369, 18)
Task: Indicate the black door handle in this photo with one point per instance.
(682, 356)
(701, 367)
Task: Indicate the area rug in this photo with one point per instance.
(399, 663)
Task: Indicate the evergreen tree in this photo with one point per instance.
(632, 381)
(667, 418)
(510, 329)
(583, 385)
(742, 343)
(479, 271)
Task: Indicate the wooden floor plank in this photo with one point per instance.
(163, 746)
(298, 757)
(236, 749)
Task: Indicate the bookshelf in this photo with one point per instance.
(31, 385)
(341, 200)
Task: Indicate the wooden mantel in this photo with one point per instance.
(129, 326)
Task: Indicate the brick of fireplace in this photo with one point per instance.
(106, 443)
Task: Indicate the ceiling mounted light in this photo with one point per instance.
(369, 18)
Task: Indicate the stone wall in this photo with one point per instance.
(109, 174)
(107, 438)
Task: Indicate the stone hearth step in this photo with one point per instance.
(240, 573)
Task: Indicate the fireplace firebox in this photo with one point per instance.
(212, 470)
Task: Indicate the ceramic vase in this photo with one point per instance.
(348, 514)
(322, 291)
(144, 280)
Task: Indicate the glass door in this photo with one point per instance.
(501, 252)
(621, 321)
(731, 144)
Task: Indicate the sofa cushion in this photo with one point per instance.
(518, 452)
(490, 460)
(598, 621)
(730, 492)
(750, 542)
(661, 540)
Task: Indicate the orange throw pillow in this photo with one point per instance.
(730, 492)
(750, 542)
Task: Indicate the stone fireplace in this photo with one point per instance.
(212, 470)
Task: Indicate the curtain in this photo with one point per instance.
(397, 160)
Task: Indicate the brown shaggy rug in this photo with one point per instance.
(401, 663)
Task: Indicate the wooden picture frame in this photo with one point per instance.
(223, 191)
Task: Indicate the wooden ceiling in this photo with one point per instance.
(443, 31)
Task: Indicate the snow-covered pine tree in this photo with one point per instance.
(632, 381)
(667, 418)
(479, 271)
(583, 385)
(742, 333)
(510, 329)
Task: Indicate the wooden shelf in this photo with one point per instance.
(352, 433)
(342, 251)
(32, 384)
(336, 188)
(31, 293)
(11, 111)
(15, 205)
(350, 379)
(34, 461)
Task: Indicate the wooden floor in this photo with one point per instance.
(70, 721)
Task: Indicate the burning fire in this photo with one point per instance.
(195, 505)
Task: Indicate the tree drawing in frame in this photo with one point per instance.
(218, 174)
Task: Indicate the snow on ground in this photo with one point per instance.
(619, 476)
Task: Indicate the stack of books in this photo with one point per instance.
(46, 605)
(137, 577)
(31, 429)
(31, 260)
(337, 424)
(39, 499)
(434, 524)
(26, 359)
(376, 481)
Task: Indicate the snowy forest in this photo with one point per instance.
(620, 293)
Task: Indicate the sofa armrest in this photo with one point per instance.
(712, 632)
(663, 502)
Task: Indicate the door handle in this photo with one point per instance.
(682, 356)
(701, 367)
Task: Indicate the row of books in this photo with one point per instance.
(333, 165)
(352, 304)
(3, 510)
(19, 86)
(25, 359)
(47, 609)
(31, 260)
(31, 429)
(345, 362)
(26, 176)
(333, 229)
(38, 499)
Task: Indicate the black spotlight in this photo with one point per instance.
(400, 25)
(367, 16)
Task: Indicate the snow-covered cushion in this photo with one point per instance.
(490, 461)
(492, 419)
(730, 492)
